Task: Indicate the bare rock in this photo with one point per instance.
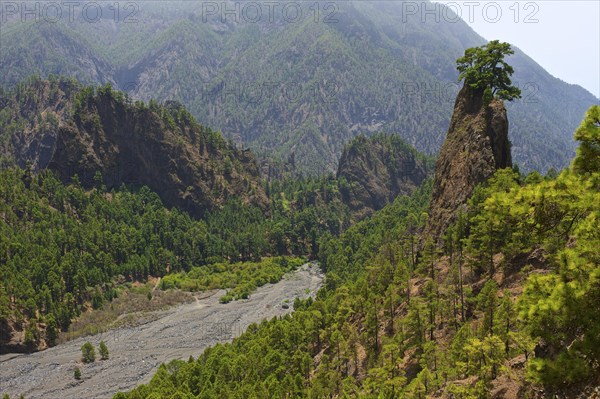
(476, 146)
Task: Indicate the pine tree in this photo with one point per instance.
(51, 330)
(88, 353)
(488, 302)
(588, 134)
(483, 68)
(103, 351)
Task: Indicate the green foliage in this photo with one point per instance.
(77, 373)
(382, 308)
(587, 160)
(275, 358)
(242, 278)
(246, 60)
(386, 300)
(559, 306)
(483, 68)
(88, 353)
(51, 330)
(561, 218)
(103, 349)
(64, 248)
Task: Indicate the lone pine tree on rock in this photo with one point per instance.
(477, 141)
(484, 69)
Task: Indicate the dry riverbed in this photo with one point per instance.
(136, 352)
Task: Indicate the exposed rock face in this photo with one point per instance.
(476, 146)
(188, 165)
(379, 169)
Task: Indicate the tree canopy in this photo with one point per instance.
(88, 353)
(588, 134)
(451, 314)
(484, 68)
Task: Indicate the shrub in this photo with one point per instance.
(103, 351)
(88, 353)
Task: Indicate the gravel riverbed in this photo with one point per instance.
(136, 352)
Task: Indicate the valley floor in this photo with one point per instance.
(136, 352)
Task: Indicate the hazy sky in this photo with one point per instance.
(562, 36)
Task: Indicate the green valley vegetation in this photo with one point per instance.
(243, 277)
(588, 154)
(508, 302)
(508, 297)
(65, 249)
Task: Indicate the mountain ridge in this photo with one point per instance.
(83, 131)
(378, 169)
(397, 77)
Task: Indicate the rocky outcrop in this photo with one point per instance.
(72, 131)
(476, 146)
(377, 170)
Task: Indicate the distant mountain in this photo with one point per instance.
(303, 87)
(75, 130)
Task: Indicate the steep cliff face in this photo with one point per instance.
(377, 170)
(71, 130)
(476, 146)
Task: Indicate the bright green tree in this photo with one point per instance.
(484, 68)
(77, 373)
(488, 302)
(103, 351)
(88, 353)
(51, 330)
(588, 134)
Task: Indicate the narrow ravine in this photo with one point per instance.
(136, 353)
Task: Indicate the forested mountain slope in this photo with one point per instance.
(101, 133)
(303, 87)
(65, 249)
(507, 308)
(377, 169)
(76, 130)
